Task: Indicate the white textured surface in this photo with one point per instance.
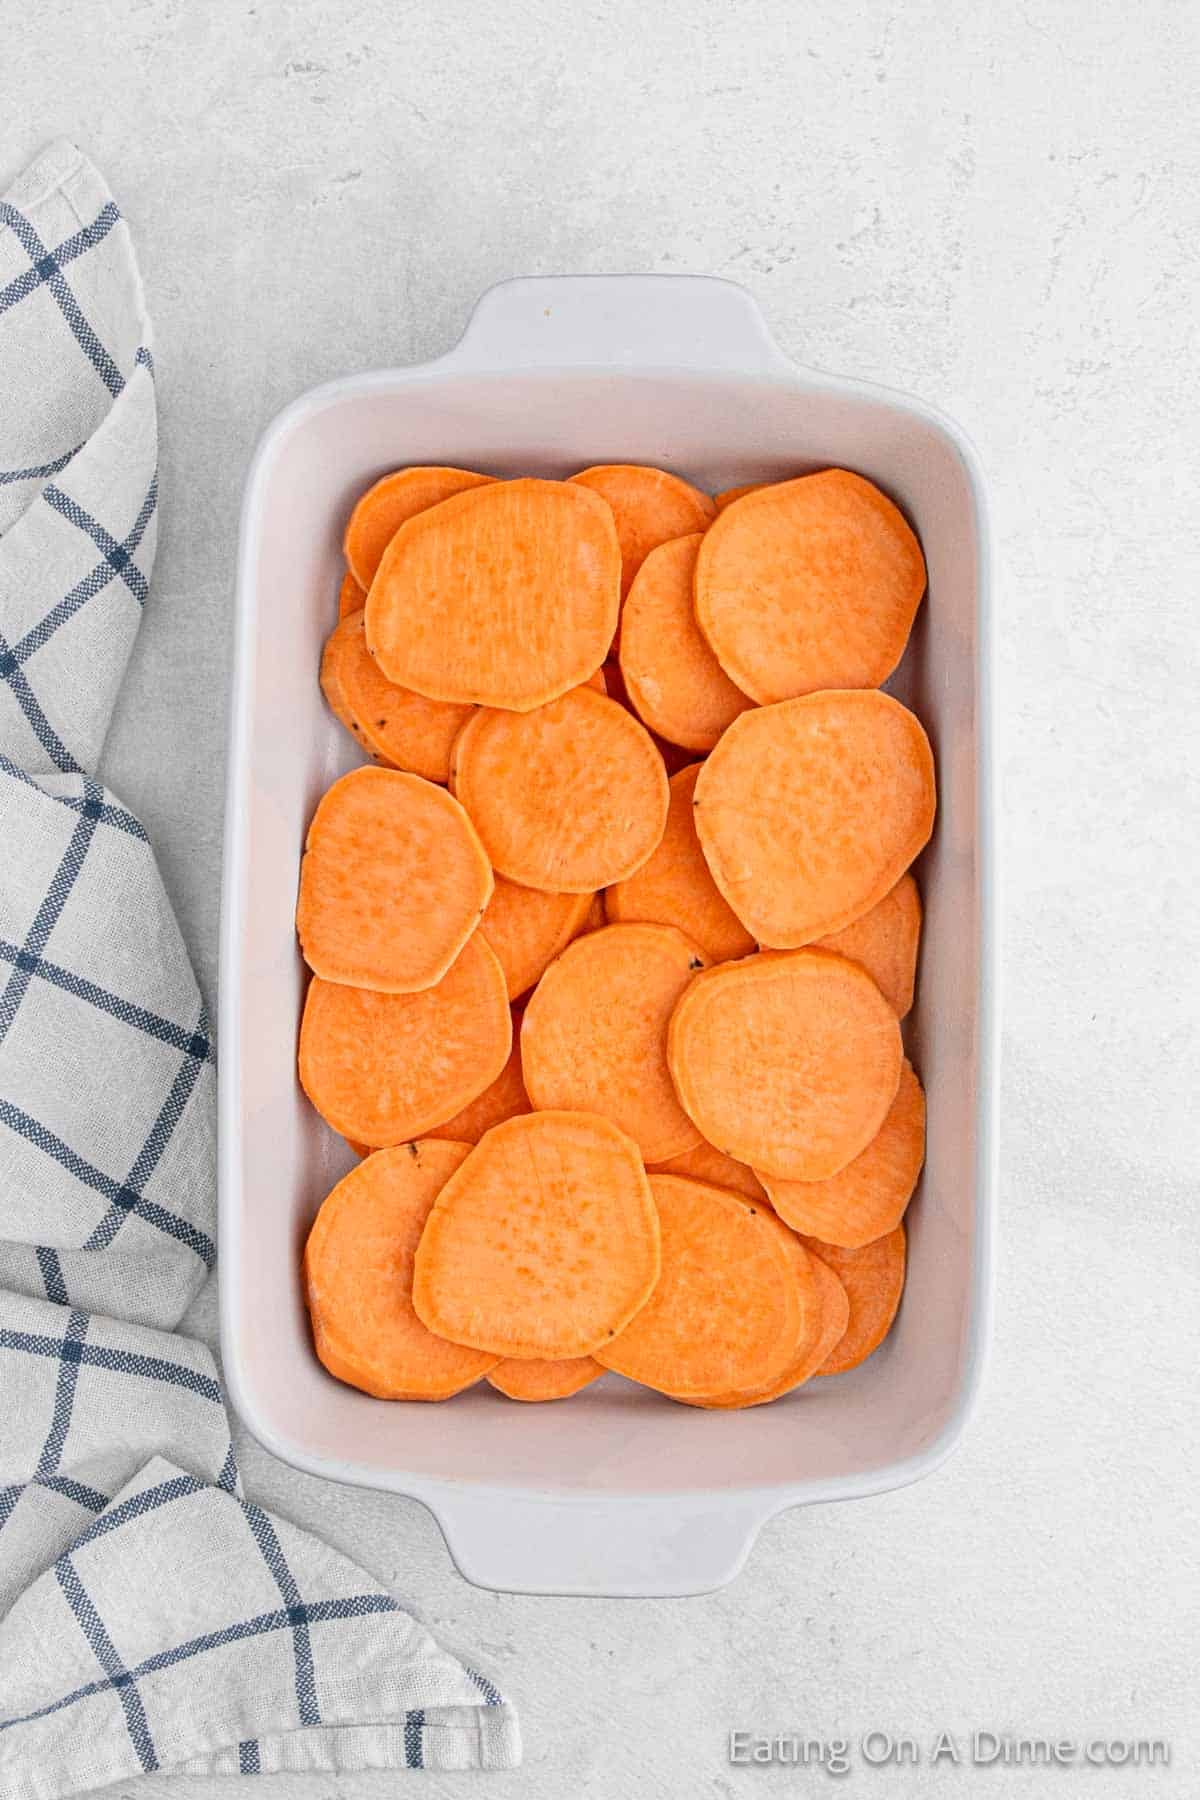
(995, 207)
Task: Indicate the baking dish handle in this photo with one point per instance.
(641, 1549)
(618, 322)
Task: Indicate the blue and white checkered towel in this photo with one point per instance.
(150, 1617)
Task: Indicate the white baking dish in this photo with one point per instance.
(616, 1491)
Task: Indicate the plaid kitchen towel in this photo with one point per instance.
(150, 1616)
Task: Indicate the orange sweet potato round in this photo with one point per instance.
(650, 506)
(358, 1266)
(381, 511)
(675, 887)
(383, 1068)
(786, 1062)
(885, 941)
(527, 927)
(873, 1278)
(594, 1036)
(594, 918)
(568, 798)
(809, 584)
(823, 1327)
(810, 811)
(351, 597)
(396, 727)
(673, 680)
(504, 1098)
(535, 1378)
(726, 1311)
(544, 1244)
(727, 496)
(867, 1198)
(706, 1163)
(392, 883)
(506, 595)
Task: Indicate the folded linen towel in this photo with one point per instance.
(152, 1617)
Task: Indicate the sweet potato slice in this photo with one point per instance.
(674, 681)
(385, 507)
(726, 1311)
(527, 928)
(885, 941)
(351, 597)
(392, 883)
(535, 1378)
(396, 726)
(810, 811)
(867, 1198)
(704, 1162)
(786, 1062)
(358, 1266)
(332, 663)
(383, 1068)
(568, 798)
(595, 918)
(650, 506)
(544, 1244)
(809, 584)
(873, 1278)
(594, 1036)
(675, 887)
(598, 682)
(506, 595)
(504, 1099)
(825, 1326)
(727, 496)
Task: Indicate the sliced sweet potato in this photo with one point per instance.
(810, 811)
(504, 1099)
(381, 511)
(358, 1266)
(383, 1068)
(332, 663)
(527, 927)
(867, 1198)
(706, 1163)
(674, 681)
(568, 798)
(351, 597)
(594, 1036)
(544, 1244)
(726, 1312)
(873, 1278)
(535, 1378)
(506, 595)
(675, 887)
(786, 1062)
(594, 918)
(598, 681)
(674, 756)
(396, 726)
(826, 1324)
(614, 682)
(649, 505)
(392, 883)
(727, 496)
(809, 584)
(885, 941)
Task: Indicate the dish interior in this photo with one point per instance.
(613, 1439)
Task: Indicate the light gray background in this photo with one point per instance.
(996, 206)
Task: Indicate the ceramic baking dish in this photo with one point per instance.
(616, 1491)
